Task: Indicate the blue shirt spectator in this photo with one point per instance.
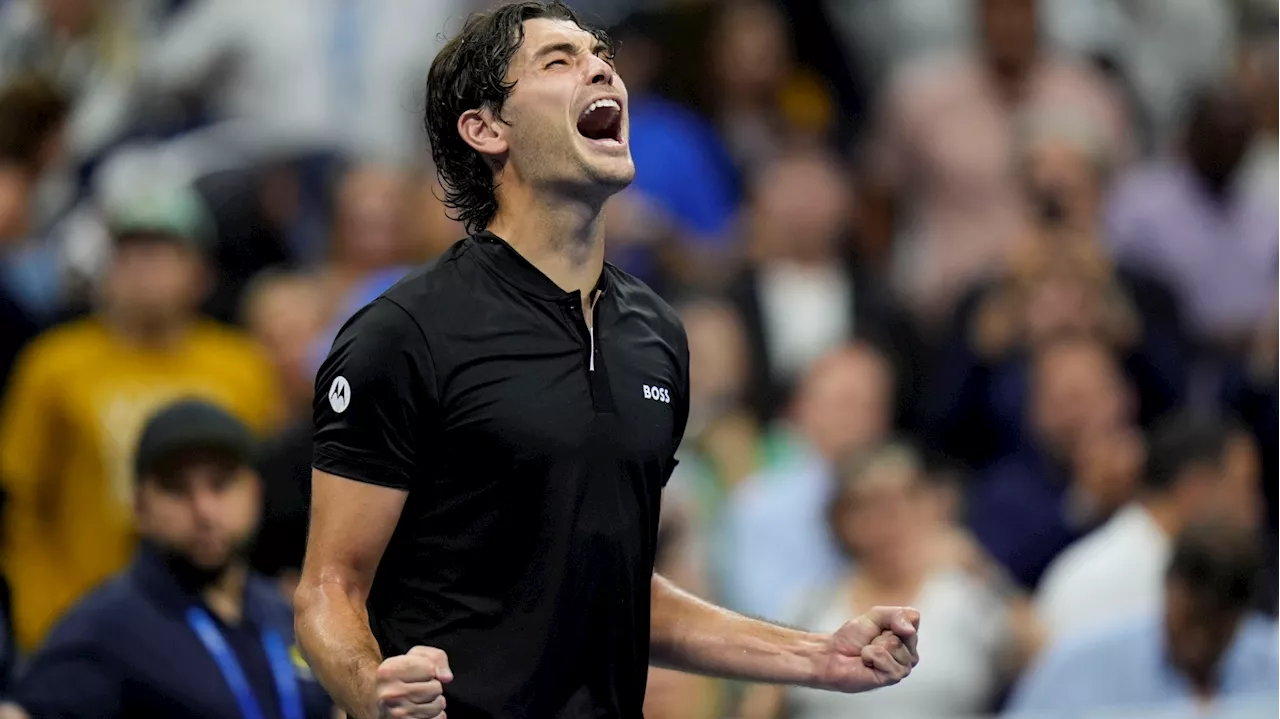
(1127, 666)
(1202, 647)
(1030, 505)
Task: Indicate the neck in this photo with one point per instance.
(563, 238)
(159, 334)
(897, 581)
(1164, 512)
(225, 595)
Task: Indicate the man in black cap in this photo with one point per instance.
(187, 630)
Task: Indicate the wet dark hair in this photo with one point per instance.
(469, 73)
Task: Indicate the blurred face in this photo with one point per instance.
(1230, 490)
(285, 317)
(751, 53)
(801, 209)
(371, 218)
(154, 280)
(1063, 186)
(881, 514)
(205, 509)
(1010, 32)
(1198, 636)
(717, 354)
(73, 17)
(1077, 389)
(844, 404)
(1219, 137)
(566, 117)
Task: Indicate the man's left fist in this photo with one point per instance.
(878, 649)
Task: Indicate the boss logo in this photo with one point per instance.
(658, 393)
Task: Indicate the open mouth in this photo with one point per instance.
(602, 121)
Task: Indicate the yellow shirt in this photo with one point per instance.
(76, 404)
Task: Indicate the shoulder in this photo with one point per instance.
(64, 348)
(450, 276)
(1113, 644)
(634, 296)
(95, 617)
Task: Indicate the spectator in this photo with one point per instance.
(284, 312)
(944, 157)
(801, 294)
(91, 50)
(1057, 282)
(369, 246)
(306, 78)
(681, 557)
(1079, 463)
(723, 443)
(670, 142)
(81, 391)
(151, 641)
(32, 115)
(1182, 221)
(776, 540)
(1258, 70)
(1193, 467)
(885, 517)
(1160, 49)
(1199, 647)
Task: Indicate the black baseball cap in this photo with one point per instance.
(190, 425)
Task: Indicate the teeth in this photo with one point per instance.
(605, 102)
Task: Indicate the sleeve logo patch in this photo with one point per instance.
(339, 394)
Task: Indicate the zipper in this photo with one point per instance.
(591, 333)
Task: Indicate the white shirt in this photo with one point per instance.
(806, 311)
(1116, 571)
(967, 638)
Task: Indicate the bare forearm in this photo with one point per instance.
(333, 630)
(689, 634)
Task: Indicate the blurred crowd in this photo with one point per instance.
(981, 298)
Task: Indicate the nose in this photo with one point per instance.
(601, 72)
(204, 502)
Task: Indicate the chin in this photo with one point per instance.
(613, 173)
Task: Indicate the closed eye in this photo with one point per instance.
(560, 61)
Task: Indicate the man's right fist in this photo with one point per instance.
(411, 686)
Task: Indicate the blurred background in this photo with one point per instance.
(981, 298)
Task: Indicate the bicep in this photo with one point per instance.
(351, 524)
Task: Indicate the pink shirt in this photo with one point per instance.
(948, 142)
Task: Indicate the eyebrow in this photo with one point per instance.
(569, 49)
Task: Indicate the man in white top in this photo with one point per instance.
(1195, 468)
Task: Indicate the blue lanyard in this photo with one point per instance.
(277, 657)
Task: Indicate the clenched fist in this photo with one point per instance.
(411, 686)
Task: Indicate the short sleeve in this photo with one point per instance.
(682, 400)
(376, 405)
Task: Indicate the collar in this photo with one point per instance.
(503, 259)
(152, 576)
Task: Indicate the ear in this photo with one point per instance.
(483, 132)
(139, 504)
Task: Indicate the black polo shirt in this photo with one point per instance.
(534, 451)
